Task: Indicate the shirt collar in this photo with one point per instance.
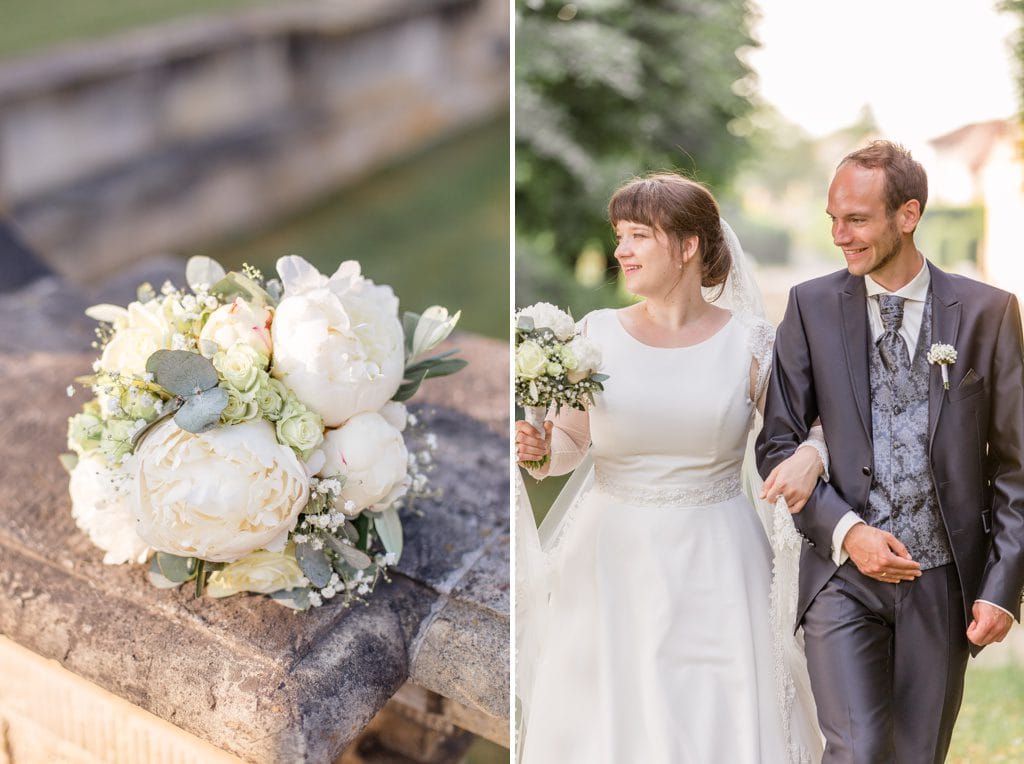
(916, 289)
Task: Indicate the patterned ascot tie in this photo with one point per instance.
(891, 346)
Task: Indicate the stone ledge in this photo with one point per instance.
(245, 674)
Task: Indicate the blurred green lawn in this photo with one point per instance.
(990, 729)
(44, 23)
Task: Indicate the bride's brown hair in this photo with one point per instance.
(681, 208)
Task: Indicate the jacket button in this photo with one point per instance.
(866, 471)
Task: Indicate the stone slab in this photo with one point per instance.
(245, 674)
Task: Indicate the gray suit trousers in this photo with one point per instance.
(887, 666)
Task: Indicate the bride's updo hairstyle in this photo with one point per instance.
(681, 208)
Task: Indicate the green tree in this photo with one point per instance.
(607, 89)
(1016, 7)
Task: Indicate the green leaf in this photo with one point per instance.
(181, 372)
(203, 270)
(426, 363)
(158, 579)
(174, 568)
(296, 599)
(237, 285)
(409, 321)
(314, 564)
(444, 368)
(201, 412)
(68, 461)
(389, 528)
(275, 290)
(599, 377)
(408, 388)
(525, 323)
(169, 410)
(350, 532)
(354, 557)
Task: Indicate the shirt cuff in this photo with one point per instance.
(1000, 607)
(846, 522)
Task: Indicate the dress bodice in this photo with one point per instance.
(670, 418)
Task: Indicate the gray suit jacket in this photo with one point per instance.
(976, 445)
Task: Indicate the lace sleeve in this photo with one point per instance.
(760, 341)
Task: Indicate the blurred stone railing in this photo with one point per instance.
(427, 656)
(169, 136)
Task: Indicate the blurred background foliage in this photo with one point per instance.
(605, 90)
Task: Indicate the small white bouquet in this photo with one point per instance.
(555, 366)
(250, 435)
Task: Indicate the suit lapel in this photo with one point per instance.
(853, 304)
(945, 325)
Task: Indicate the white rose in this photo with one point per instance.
(588, 358)
(101, 507)
(263, 572)
(237, 322)
(139, 331)
(371, 454)
(338, 342)
(546, 315)
(531, 360)
(218, 495)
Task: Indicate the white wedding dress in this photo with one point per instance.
(652, 639)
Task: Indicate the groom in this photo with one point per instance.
(915, 547)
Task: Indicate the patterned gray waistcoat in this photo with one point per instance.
(902, 498)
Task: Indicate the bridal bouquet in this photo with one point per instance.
(250, 435)
(555, 365)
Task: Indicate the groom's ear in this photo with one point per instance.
(908, 216)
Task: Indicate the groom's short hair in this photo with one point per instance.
(905, 178)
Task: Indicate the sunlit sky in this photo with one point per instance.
(924, 66)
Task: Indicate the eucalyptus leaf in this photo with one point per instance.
(599, 377)
(354, 557)
(174, 568)
(202, 270)
(296, 599)
(350, 532)
(181, 372)
(275, 289)
(68, 461)
(314, 564)
(201, 412)
(525, 323)
(389, 528)
(158, 579)
(237, 285)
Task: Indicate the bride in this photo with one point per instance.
(647, 630)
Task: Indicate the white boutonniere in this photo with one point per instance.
(943, 355)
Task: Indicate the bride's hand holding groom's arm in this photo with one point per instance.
(794, 479)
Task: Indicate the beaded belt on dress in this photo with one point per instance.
(670, 495)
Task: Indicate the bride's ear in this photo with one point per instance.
(689, 248)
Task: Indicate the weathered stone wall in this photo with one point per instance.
(171, 136)
(245, 674)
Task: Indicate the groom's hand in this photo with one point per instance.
(880, 555)
(990, 624)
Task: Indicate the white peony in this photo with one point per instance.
(263, 572)
(139, 331)
(396, 415)
(546, 315)
(587, 356)
(218, 495)
(237, 322)
(338, 343)
(101, 507)
(371, 454)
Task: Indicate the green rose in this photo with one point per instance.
(271, 397)
(300, 428)
(553, 369)
(116, 439)
(240, 366)
(568, 358)
(531, 360)
(84, 433)
(241, 406)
